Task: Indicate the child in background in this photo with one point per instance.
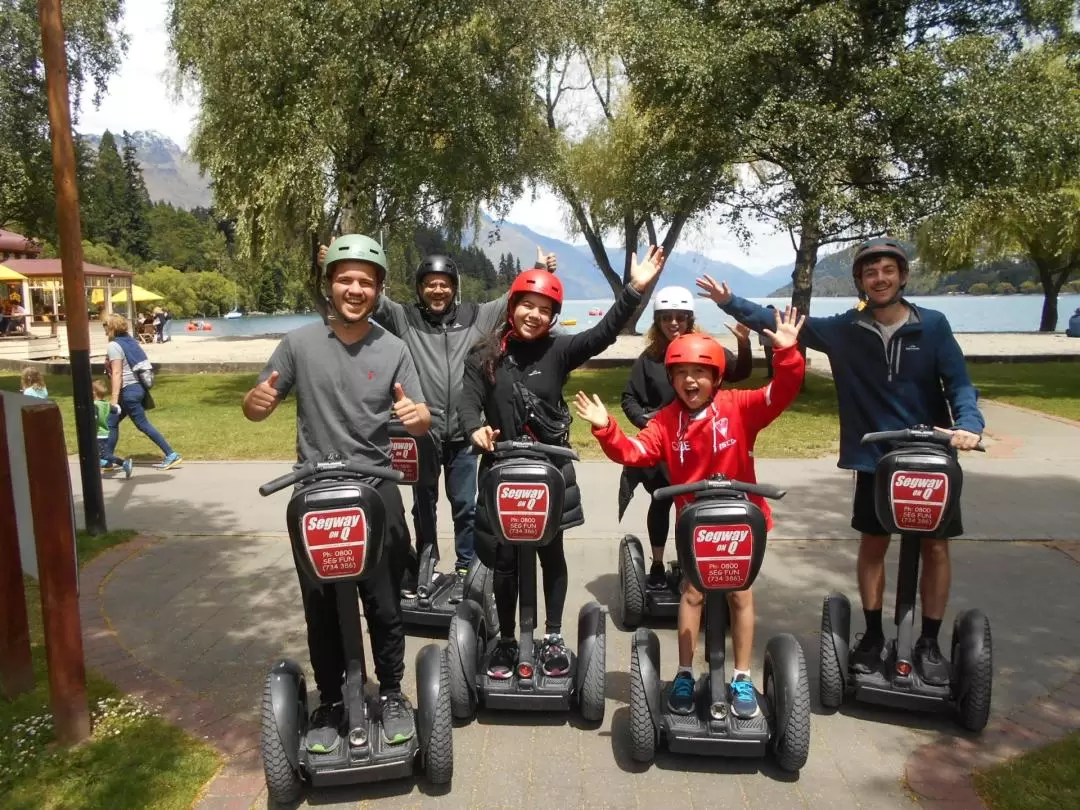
(33, 384)
(704, 432)
(102, 407)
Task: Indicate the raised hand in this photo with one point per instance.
(644, 274)
(322, 254)
(404, 408)
(788, 325)
(591, 410)
(710, 288)
(740, 330)
(546, 259)
(264, 396)
(485, 437)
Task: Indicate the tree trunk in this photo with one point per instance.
(802, 277)
(1052, 281)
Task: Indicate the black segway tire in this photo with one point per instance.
(791, 742)
(439, 756)
(830, 678)
(283, 783)
(633, 597)
(591, 699)
(974, 672)
(479, 586)
(462, 701)
(642, 729)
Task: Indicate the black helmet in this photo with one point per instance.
(436, 263)
(881, 246)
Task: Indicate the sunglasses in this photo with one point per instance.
(678, 317)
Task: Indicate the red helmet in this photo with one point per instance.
(696, 348)
(540, 282)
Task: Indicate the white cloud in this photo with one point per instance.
(140, 97)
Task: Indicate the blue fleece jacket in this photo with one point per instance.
(918, 378)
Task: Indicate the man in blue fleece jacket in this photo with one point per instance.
(894, 365)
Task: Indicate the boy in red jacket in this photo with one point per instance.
(705, 432)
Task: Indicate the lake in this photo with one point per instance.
(966, 313)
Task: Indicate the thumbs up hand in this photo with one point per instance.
(264, 396)
(404, 408)
(546, 260)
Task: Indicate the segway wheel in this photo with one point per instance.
(592, 687)
(283, 783)
(439, 756)
(789, 702)
(973, 669)
(479, 587)
(462, 700)
(633, 595)
(643, 732)
(830, 675)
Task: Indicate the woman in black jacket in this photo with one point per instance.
(648, 390)
(513, 388)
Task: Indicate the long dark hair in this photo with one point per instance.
(491, 348)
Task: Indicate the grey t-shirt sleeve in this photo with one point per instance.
(407, 376)
(281, 361)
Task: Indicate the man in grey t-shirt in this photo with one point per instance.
(348, 376)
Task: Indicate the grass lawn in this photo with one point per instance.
(133, 760)
(1047, 779)
(199, 415)
(1053, 388)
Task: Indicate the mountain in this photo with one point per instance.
(171, 175)
(581, 277)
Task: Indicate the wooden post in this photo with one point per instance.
(71, 260)
(16, 663)
(54, 538)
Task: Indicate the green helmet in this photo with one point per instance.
(356, 247)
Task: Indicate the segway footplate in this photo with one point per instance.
(374, 762)
(732, 736)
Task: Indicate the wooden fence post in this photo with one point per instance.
(54, 538)
(16, 662)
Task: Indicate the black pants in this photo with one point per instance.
(379, 595)
(553, 568)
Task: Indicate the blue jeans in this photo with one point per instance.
(459, 466)
(131, 404)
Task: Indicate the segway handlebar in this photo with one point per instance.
(921, 433)
(532, 447)
(312, 468)
(719, 482)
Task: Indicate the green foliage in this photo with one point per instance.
(208, 294)
(187, 240)
(979, 288)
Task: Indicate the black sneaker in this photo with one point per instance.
(554, 657)
(397, 719)
(503, 660)
(657, 580)
(457, 590)
(866, 657)
(930, 663)
(681, 697)
(324, 734)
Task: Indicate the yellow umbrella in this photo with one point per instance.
(138, 295)
(7, 274)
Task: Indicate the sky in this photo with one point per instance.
(142, 96)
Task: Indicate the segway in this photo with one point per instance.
(720, 538)
(417, 459)
(336, 522)
(523, 495)
(639, 601)
(916, 489)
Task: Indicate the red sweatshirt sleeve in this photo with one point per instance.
(760, 406)
(644, 450)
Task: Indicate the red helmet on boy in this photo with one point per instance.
(540, 282)
(696, 348)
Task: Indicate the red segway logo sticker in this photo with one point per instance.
(335, 541)
(523, 511)
(723, 555)
(918, 500)
(405, 458)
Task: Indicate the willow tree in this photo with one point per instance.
(812, 95)
(368, 114)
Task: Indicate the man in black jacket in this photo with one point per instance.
(439, 330)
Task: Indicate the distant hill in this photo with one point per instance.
(171, 175)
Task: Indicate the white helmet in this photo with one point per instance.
(673, 299)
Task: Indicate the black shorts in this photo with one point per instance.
(864, 516)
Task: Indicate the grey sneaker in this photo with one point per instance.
(324, 736)
(397, 719)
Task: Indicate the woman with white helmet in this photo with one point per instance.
(649, 390)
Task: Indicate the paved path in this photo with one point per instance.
(214, 601)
